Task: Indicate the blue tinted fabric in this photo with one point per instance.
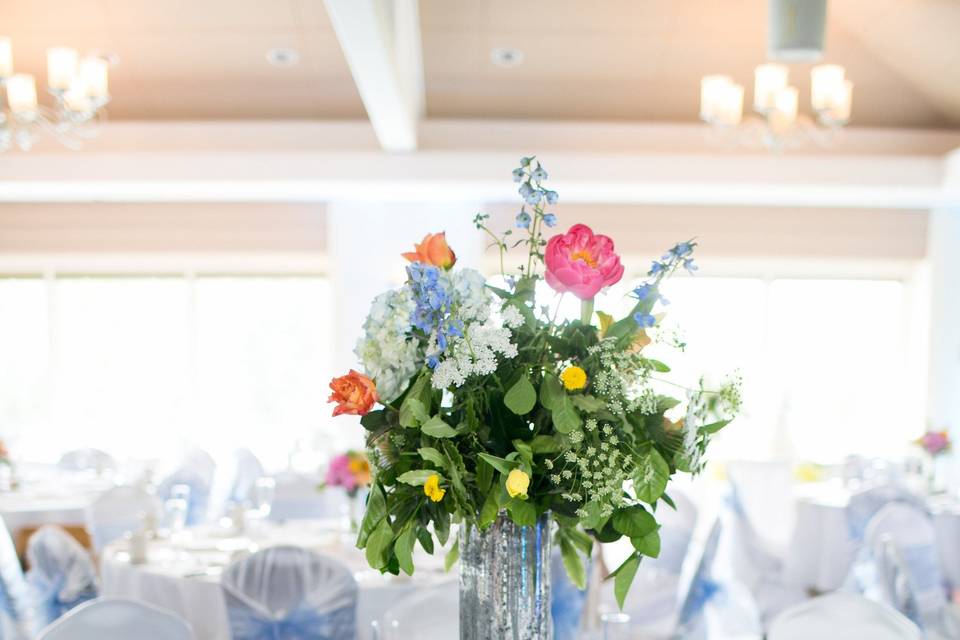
(61, 573)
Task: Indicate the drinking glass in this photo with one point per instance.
(616, 626)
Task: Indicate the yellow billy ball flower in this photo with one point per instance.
(573, 378)
(517, 484)
(432, 488)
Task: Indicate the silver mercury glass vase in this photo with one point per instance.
(505, 581)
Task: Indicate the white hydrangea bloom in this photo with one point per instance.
(472, 297)
(390, 356)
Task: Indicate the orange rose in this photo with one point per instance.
(433, 251)
(354, 393)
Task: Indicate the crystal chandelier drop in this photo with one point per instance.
(777, 124)
(80, 93)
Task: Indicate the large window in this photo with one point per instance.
(829, 366)
(146, 366)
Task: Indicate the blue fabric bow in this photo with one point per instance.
(302, 623)
(46, 593)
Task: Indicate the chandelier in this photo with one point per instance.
(80, 93)
(777, 124)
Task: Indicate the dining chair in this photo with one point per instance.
(842, 616)
(426, 614)
(290, 593)
(297, 497)
(117, 511)
(196, 470)
(86, 459)
(865, 504)
(901, 546)
(17, 613)
(118, 619)
(234, 482)
(61, 574)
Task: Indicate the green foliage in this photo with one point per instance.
(435, 427)
(522, 397)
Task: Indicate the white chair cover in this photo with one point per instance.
(842, 616)
(118, 619)
(61, 574)
(765, 492)
(289, 593)
(118, 511)
(902, 546)
(196, 471)
(710, 608)
(426, 614)
(865, 504)
(234, 482)
(17, 615)
(87, 459)
(677, 527)
(297, 497)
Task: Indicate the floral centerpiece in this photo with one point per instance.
(483, 409)
(934, 443)
(349, 471)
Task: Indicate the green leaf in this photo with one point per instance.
(435, 427)
(489, 510)
(418, 477)
(572, 563)
(525, 451)
(415, 408)
(522, 397)
(713, 427)
(375, 512)
(426, 540)
(441, 527)
(545, 444)
(624, 576)
(651, 477)
(378, 545)
(592, 521)
(551, 392)
(374, 420)
(634, 522)
(522, 512)
(452, 556)
(589, 404)
(657, 365)
(432, 455)
(582, 540)
(648, 545)
(565, 416)
(404, 550)
(484, 476)
(501, 465)
(413, 412)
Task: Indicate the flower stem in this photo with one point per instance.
(586, 311)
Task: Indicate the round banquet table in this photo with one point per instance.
(47, 495)
(823, 552)
(184, 576)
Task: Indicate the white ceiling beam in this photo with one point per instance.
(381, 42)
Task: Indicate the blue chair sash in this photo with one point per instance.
(303, 623)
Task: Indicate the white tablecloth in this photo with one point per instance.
(185, 577)
(47, 495)
(822, 551)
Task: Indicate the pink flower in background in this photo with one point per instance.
(339, 474)
(934, 442)
(581, 262)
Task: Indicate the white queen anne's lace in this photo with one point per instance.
(474, 354)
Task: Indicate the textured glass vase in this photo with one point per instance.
(505, 581)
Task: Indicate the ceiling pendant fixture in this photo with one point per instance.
(80, 92)
(795, 34)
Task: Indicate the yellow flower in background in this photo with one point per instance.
(573, 378)
(808, 472)
(517, 484)
(606, 321)
(432, 488)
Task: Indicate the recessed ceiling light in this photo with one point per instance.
(283, 57)
(506, 56)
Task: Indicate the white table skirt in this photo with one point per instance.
(164, 582)
(823, 552)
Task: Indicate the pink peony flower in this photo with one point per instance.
(581, 262)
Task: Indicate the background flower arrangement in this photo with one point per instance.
(490, 405)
